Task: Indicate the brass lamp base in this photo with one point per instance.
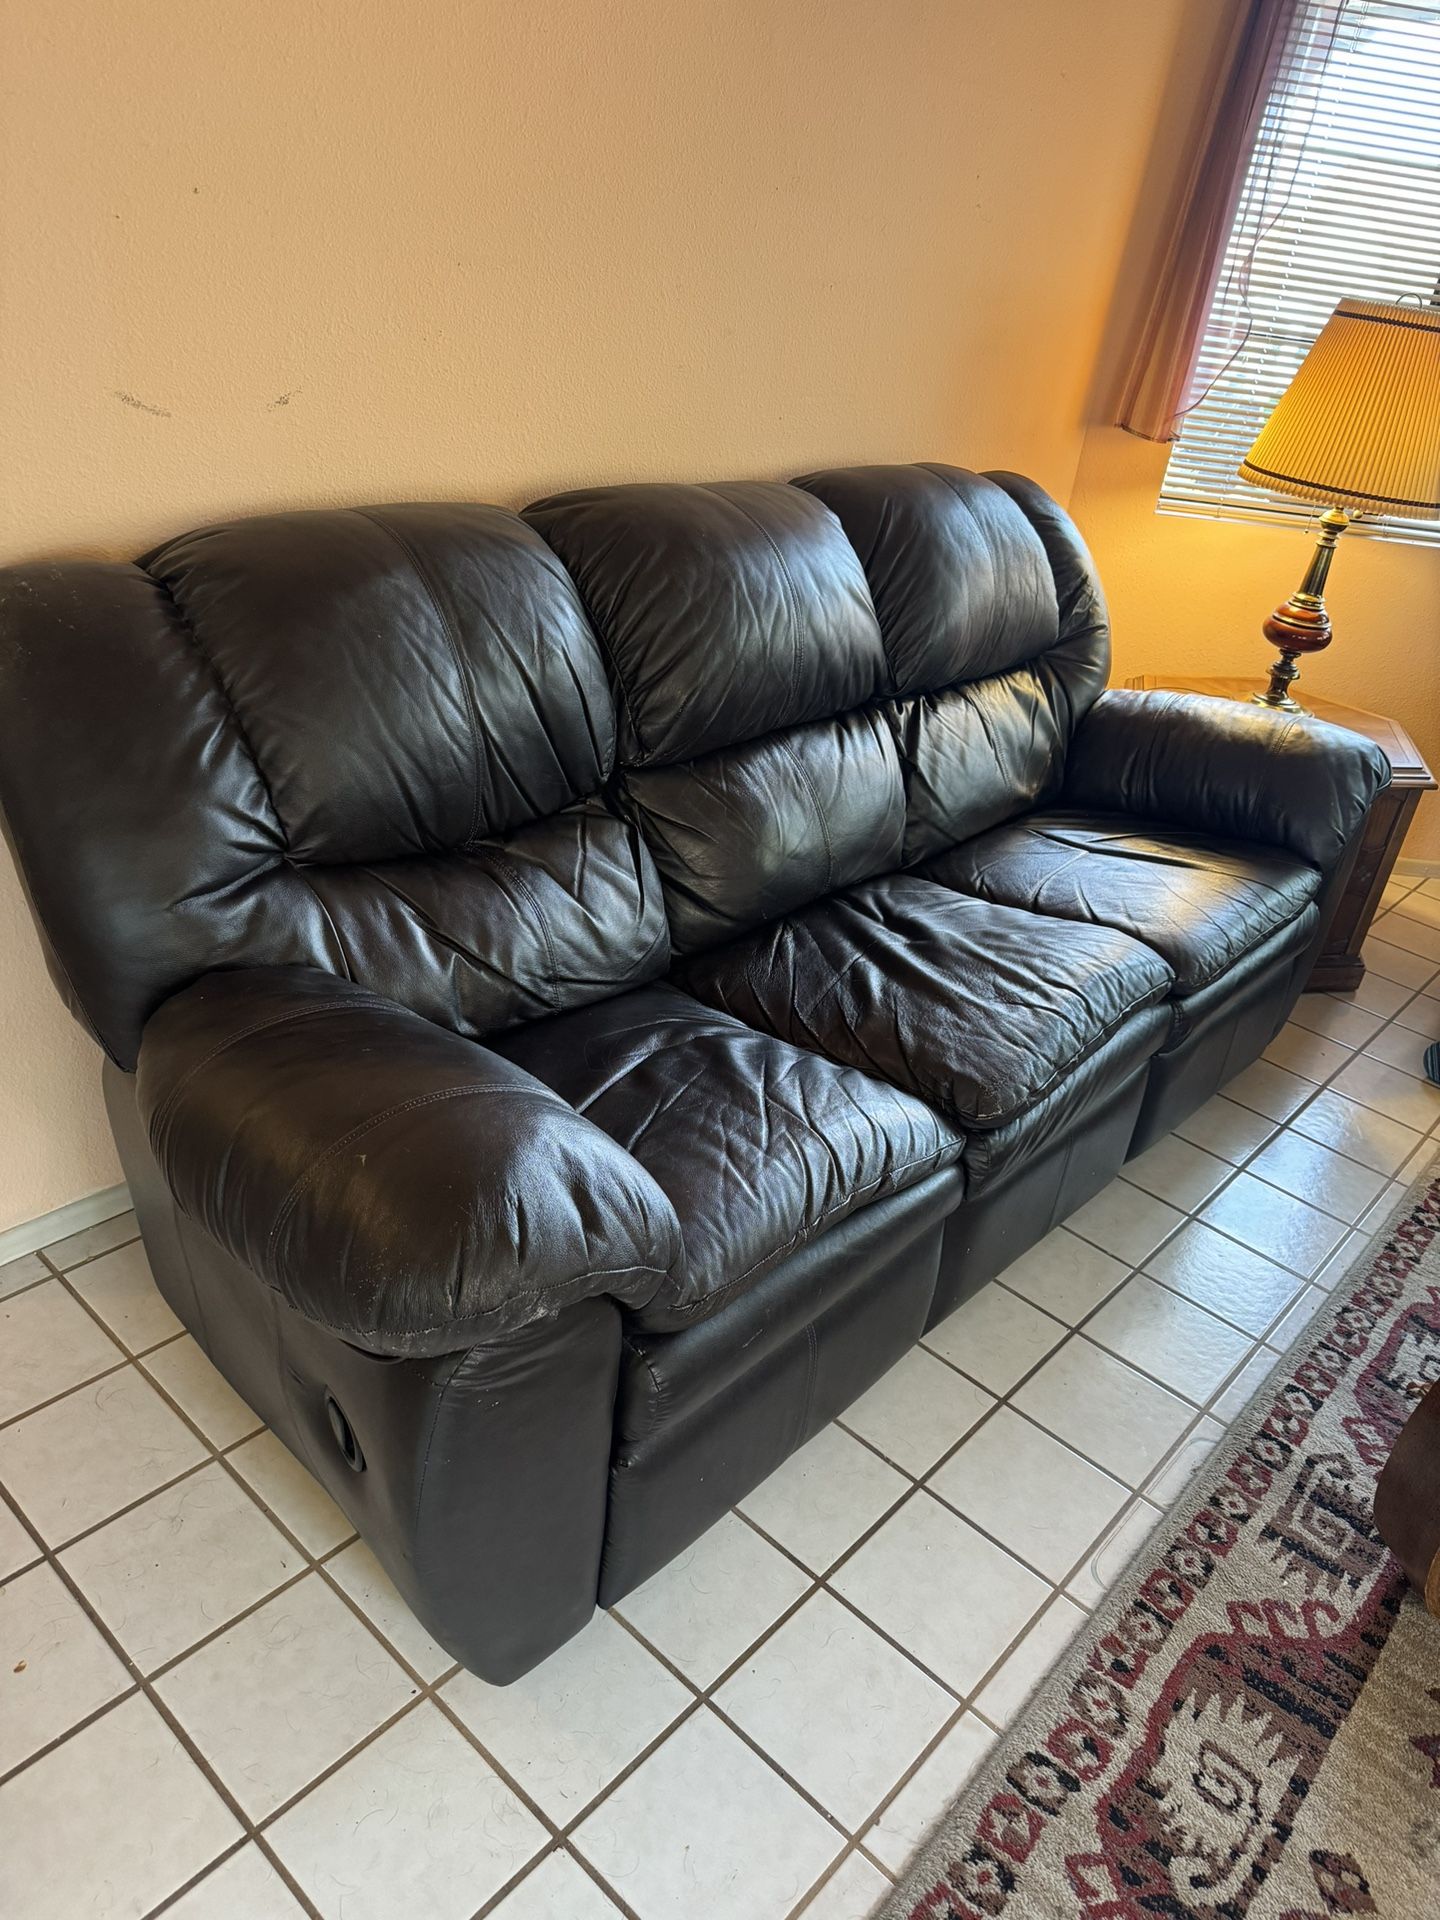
(1278, 694)
(1301, 624)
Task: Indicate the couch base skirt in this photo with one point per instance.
(1235, 1031)
(993, 1228)
(706, 1414)
(1232, 1023)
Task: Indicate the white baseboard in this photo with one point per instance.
(1418, 869)
(31, 1235)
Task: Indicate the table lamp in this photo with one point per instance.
(1358, 428)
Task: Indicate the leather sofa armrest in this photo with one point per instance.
(402, 1186)
(1228, 768)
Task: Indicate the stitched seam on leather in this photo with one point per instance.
(1023, 511)
(475, 1322)
(1170, 856)
(503, 861)
(521, 1300)
(329, 921)
(428, 926)
(1062, 637)
(807, 1392)
(806, 1232)
(974, 519)
(891, 690)
(1269, 937)
(192, 634)
(452, 641)
(646, 750)
(598, 633)
(1234, 947)
(792, 595)
(659, 1396)
(296, 1193)
(460, 1358)
(1004, 1116)
(1033, 661)
(166, 1107)
(661, 939)
(1078, 1060)
(804, 774)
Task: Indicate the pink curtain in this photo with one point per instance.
(1158, 386)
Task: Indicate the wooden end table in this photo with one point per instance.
(1340, 968)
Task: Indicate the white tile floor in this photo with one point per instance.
(213, 1703)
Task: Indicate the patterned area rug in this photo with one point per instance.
(1250, 1724)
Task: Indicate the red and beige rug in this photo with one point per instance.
(1249, 1727)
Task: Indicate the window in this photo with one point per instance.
(1342, 196)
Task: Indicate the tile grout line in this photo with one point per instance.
(1057, 1589)
(89, 1259)
(142, 1689)
(1245, 1166)
(1202, 1410)
(252, 1830)
(1060, 1590)
(340, 1547)
(256, 1829)
(310, 1563)
(966, 1700)
(1079, 1327)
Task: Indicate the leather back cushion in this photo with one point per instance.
(995, 631)
(408, 679)
(821, 682)
(748, 661)
(368, 741)
(727, 611)
(960, 580)
(751, 832)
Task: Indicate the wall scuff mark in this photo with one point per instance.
(140, 406)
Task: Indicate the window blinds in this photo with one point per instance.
(1341, 197)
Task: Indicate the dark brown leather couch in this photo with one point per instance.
(582, 991)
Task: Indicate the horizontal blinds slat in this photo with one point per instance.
(1268, 511)
(1342, 198)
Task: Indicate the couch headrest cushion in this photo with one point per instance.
(728, 611)
(410, 679)
(959, 576)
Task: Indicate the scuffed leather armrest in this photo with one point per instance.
(401, 1185)
(1224, 767)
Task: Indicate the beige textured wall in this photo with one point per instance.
(289, 252)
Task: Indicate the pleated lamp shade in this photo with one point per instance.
(1359, 425)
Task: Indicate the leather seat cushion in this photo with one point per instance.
(759, 1146)
(1200, 901)
(981, 1010)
